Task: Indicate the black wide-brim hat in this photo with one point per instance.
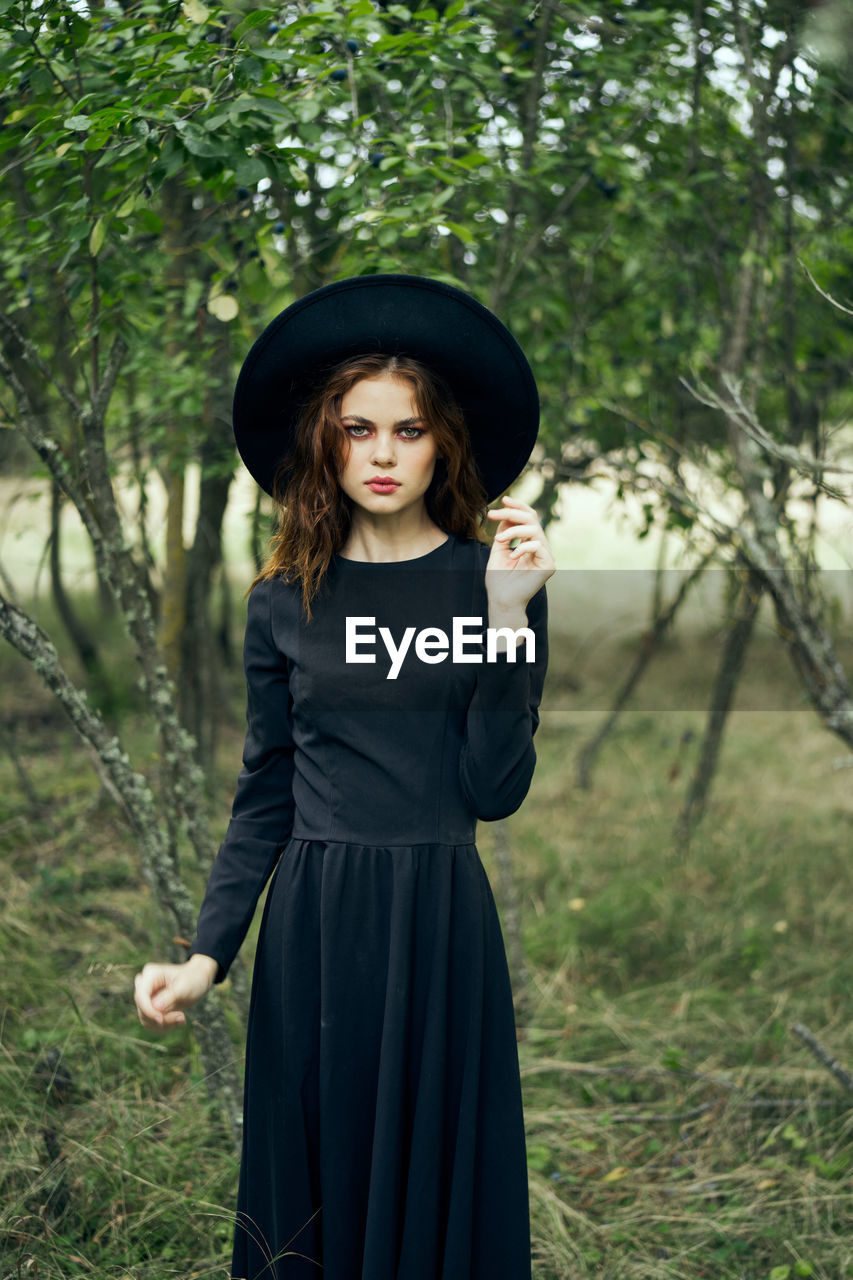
(441, 326)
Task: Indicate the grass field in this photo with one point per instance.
(677, 1127)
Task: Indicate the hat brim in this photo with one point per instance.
(435, 323)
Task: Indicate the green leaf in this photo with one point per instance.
(78, 123)
(249, 170)
(307, 109)
(127, 206)
(195, 11)
(257, 19)
(458, 230)
(273, 53)
(196, 141)
(79, 29)
(648, 15)
(151, 221)
(268, 106)
(792, 1134)
(97, 236)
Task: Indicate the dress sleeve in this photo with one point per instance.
(262, 813)
(498, 756)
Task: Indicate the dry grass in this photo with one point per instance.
(676, 1128)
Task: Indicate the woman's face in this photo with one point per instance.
(392, 452)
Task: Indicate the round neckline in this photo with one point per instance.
(392, 564)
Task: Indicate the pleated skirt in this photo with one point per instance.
(383, 1126)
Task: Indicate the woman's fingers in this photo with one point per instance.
(174, 1019)
(515, 502)
(520, 522)
(532, 545)
(529, 536)
(163, 991)
(532, 530)
(512, 514)
(156, 998)
(145, 984)
(521, 569)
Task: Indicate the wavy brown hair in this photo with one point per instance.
(314, 515)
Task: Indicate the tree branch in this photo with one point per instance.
(33, 357)
(744, 417)
(104, 393)
(823, 1055)
(140, 808)
(829, 298)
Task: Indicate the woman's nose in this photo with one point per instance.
(383, 450)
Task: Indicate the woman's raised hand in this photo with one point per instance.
(530, 564)
(163, 991)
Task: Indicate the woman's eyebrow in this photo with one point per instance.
(366, 422)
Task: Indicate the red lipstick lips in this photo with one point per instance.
(382, 484)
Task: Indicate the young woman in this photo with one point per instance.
(394, 665)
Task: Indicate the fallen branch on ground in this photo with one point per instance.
(823, 1055)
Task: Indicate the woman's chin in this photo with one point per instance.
(383, 503)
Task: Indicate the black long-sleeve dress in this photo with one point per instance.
(383, 1127)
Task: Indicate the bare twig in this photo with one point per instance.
(118, 351)
(543, 1065)
(738, 412)
(823, 294)
(823, 1055)
(748, 1104)
(31, 354)
(668, 1117)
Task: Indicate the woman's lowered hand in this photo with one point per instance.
(163, 991)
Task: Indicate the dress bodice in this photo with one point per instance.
(410, 748)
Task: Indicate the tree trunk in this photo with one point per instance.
(173, 598)
(256, 532)
(178, 222)
(94, 498)
(662, 620)
(140, 808)
(201, 689)
(7, 732)
(202, 693)
(759, 538)
(82, 640)
(725, 683)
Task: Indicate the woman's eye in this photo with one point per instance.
(412, 433)
(356, 431)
